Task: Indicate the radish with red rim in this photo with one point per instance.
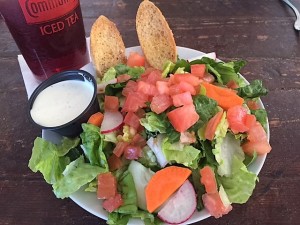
(112, 121)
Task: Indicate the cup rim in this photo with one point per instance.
(59, 77)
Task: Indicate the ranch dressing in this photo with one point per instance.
(61, 102)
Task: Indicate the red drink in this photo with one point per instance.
(49, 33)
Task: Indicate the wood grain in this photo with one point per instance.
(258, 31)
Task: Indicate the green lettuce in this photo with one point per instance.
(240, 185)
(93, 144)
(115, 218)
(155, 122)
(253, 90)
(134, 72)
(205, 107)
(148, 158)
(188, 155)
(110, 74)
(224, 72)
(76, 174)
(261, 116)
(49, 158)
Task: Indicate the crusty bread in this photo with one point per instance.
(155, 36)
(107, 46)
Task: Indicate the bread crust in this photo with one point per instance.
(107, 46)
(155, 36)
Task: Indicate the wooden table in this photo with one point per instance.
(259, 31)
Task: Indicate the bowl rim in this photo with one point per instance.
(57, 78)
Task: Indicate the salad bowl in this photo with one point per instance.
(89, 201)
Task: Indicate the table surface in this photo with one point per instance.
(258, 31)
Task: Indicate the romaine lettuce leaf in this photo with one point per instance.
(76, 174)
(205, 107)
(110, 74)
(134, 72)
(240, 185)
(49, 158)
(115, 218)
(261, 116)
(155, 122)
(253, 90)
(187, 156)
(93, 143)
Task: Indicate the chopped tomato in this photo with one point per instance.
(107, 185)
(138, 140)
(113, 203)
(260, 147)
(187, 77)
(162, 87)
(208, 179)
(123, 78)
(198, 70)
(131, 86)
(120, 148)
(160, 103)
(114, 162)
(154, 76)
(140, 113)
(135, 59)
(183, 118)
(184, 98)
(232, 84)
(111, 103)
(214, 205)
(132, 120)
(132, 152)
(146, 88)
(252, 105)
(134, 101)
(212, 125)
(236, 117)
(257, 133)
(182, 87)
(250, 120)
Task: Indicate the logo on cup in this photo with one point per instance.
(38, 11)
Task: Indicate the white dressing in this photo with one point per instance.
(61, 102)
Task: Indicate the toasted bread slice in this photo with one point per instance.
(107, 46)
(155, 36)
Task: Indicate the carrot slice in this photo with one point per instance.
(212, 124)
(225, 97)
(96, 119)
(163, 184)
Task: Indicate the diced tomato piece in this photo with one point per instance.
(132, 120)
(187, 137)
(250, 120)
(134, 101)
(183, 118)
(135, 59)
(236, 116)
(260, 147)
(184, 98)
(214, 205)
(138, 140)
(154, 76)
(187, 77)
(146, 88)
(107, 185)
(131, 86)
(132, 152)
(114, 162)
(208, 179)
(212, 125)
(120, 148)
(198, 70)
(111, 103)
(160, 103)
(123, 78)
(140, 113)
(182, 87)
(252, 105)
(232, 84)
(113, 203)
(162, 87)
(257, 133)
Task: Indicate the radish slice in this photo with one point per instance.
(211, 55)
(112, 120)
(155, 145)
(180, 206)
(101, 87)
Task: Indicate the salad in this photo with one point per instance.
(165, 143)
